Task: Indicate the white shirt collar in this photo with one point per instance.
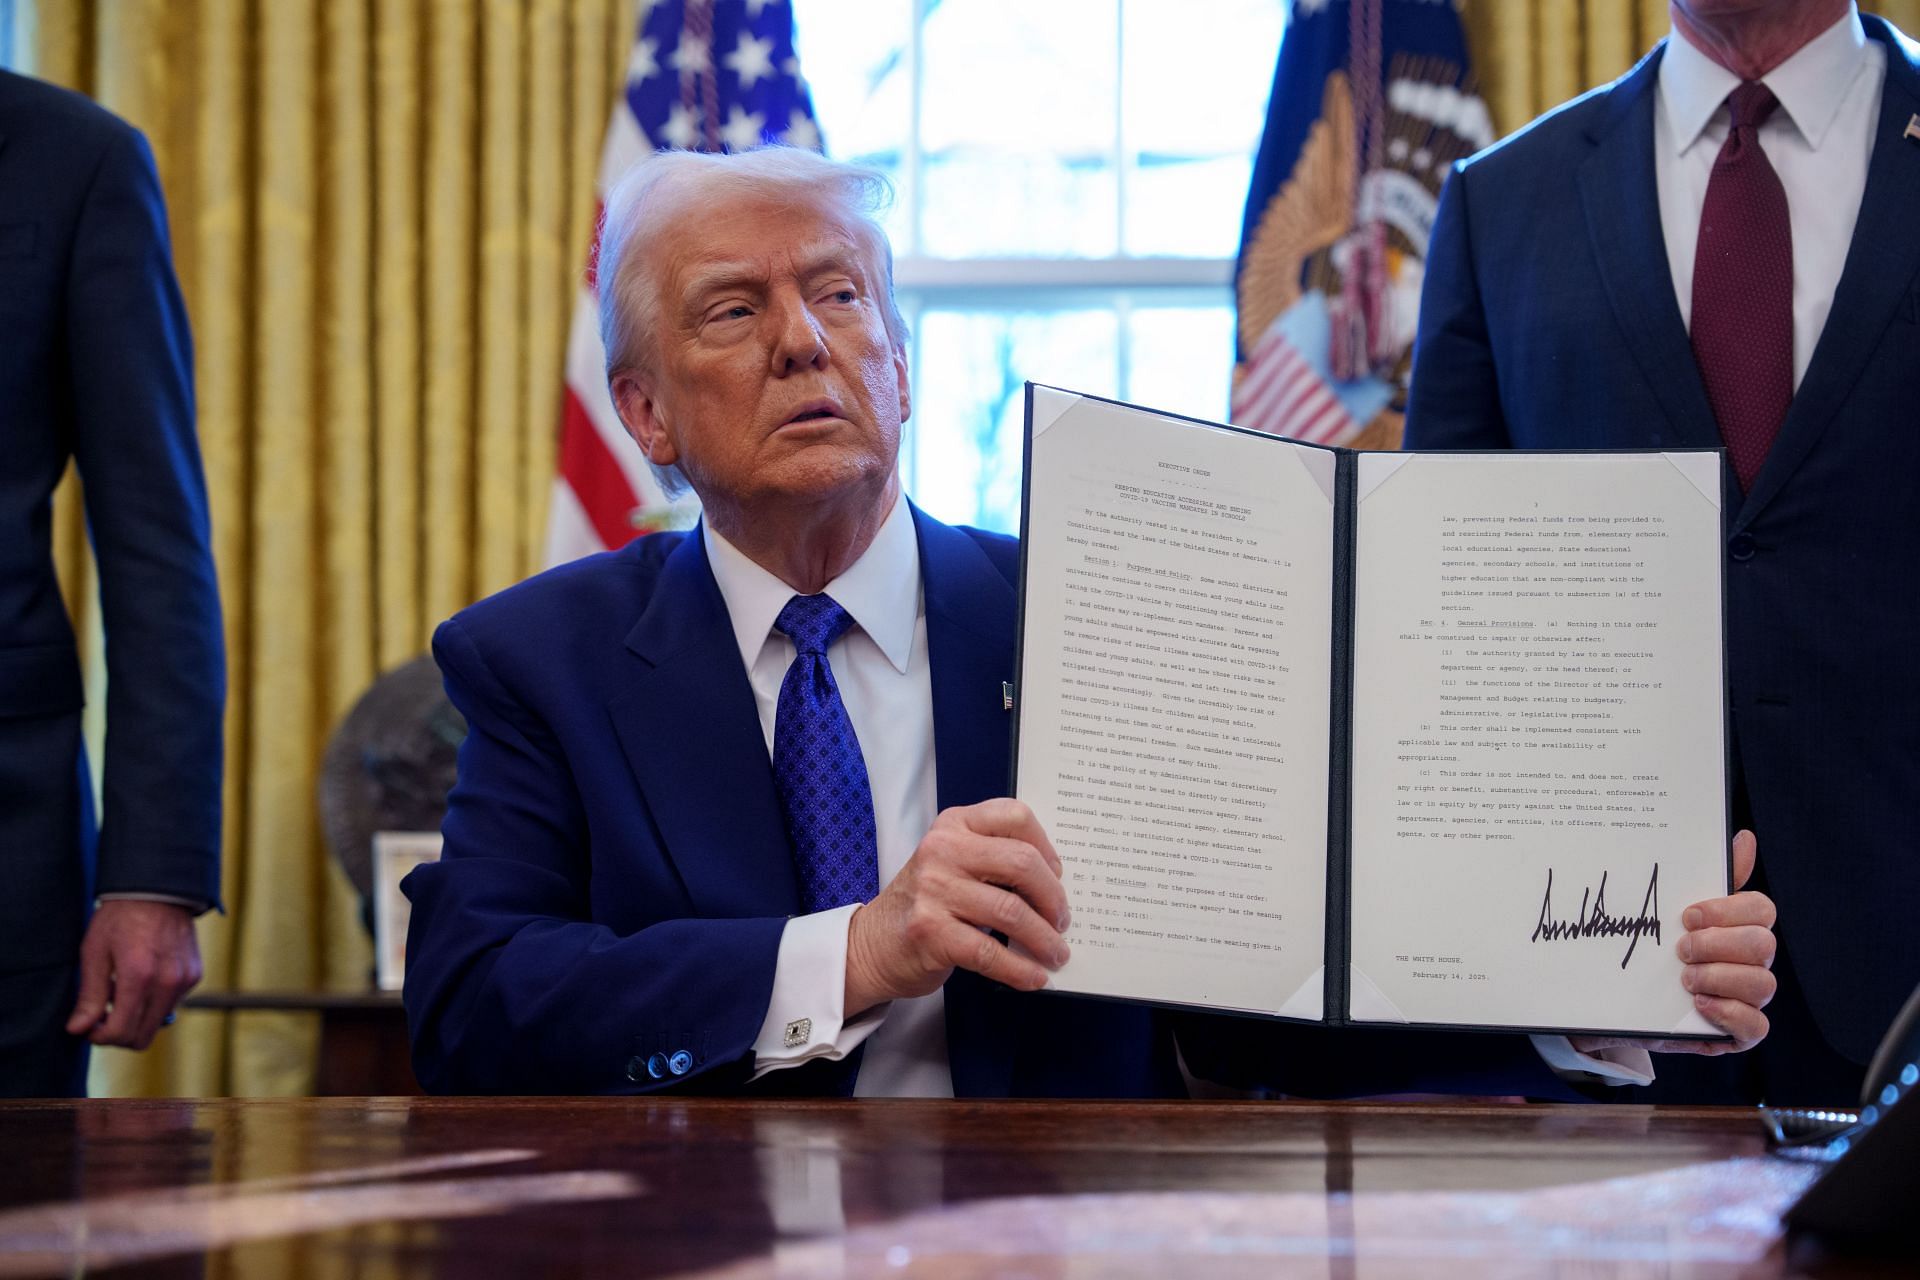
(1810, 85)
(881, 590)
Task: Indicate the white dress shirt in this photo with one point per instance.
(880, 665)
(1819, 141)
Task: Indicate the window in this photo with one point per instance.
(12, 22)
(1070, 179)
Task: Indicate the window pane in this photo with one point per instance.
(1017, 123)
(854, 58)
(1186, 206)
(969, 402)
(1181, 358)
(1005, 205)
(1196, 77)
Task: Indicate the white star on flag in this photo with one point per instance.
(755, 6)
(801, 131)
(682, 128)
(742, 131)
(692, 55)
(751, 59)
(641, 65)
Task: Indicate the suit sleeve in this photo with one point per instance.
(511, 985)
(146, 505)
(1453, 400)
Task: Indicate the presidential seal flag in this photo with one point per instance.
(1372, 102)
(703, 75)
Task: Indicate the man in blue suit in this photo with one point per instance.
(652, 880)
(1719, 248)
(725, 818)
(95, 367)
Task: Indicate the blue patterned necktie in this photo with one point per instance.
(817, 767)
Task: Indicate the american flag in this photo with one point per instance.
(704, 75)
(1281, 393)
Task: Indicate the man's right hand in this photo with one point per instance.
(136, 961)
(984, 867)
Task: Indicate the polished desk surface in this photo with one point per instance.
(587, 1187)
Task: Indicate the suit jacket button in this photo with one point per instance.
(657, 1066)
(680, 1063)
(1740, 546)
(636, 1068)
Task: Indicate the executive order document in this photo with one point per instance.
(1406, 738)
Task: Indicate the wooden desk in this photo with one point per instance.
(503, 1187)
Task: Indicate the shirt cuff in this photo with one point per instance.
(194, 905)
(805, 1016)
(1620, 1065)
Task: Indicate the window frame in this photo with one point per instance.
(1120, 283)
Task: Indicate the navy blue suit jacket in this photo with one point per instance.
(95, 367)
(1549, 321)
(617, 874)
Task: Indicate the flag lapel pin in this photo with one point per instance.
(1913, 129)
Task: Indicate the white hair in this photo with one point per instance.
(685, 183)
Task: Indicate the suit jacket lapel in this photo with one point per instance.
(692, 737)
(970, 625)
(970, 621)
(1881, 266)
(1617, 189)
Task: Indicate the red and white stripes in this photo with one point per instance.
(1283, 395)
(602, 482)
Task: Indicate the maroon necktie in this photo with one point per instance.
(1743, 289)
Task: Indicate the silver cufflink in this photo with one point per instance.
(799, 1031)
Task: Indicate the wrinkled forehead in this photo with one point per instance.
(746, 235)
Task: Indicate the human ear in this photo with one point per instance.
(900, 376)
(640, 415)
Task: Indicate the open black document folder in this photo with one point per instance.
(1433, 739)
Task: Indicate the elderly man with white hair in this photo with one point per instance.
(726, 817)
(730, 816)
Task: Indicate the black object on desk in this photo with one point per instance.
(1869, 1200)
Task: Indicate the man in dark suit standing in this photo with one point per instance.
(95, 366)
(1719, 249)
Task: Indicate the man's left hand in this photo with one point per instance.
(137, 960)
(1728, 950)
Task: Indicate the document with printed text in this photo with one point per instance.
(1411, 738)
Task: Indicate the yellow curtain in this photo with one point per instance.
(379, 211)
(1534, 54)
